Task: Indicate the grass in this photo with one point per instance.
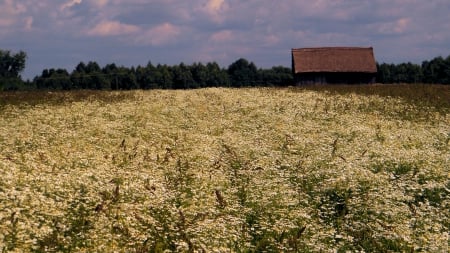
(437, 96)
(321, 168)
(33, 98)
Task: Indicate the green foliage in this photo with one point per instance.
(170, 223)
(11, 65)
(217, 76)
(163, 232)
(434, 196)
(52, 79)
(12, 84)
(182, 77)
(276, 76)
(243, 73)
(89, 77)
(436, 71)
(70, 232)
(396, 169)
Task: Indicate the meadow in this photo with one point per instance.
(316, 169)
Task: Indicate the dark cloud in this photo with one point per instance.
(131, 32)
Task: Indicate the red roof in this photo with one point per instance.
(333, 59)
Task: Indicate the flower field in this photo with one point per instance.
(225, 170)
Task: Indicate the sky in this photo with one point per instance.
(62, 33)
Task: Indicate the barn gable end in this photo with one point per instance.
(328, 65)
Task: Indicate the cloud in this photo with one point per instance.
(214, 6)
(221, 36)
(10, 12)
(165, 33)
(29, 23)
(112, 28)
(69, 4)
(99, 3)
(398, 26)
(6, 21)
(271, 40)
(216, 10)
(13, 7)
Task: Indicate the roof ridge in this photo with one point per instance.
(323, 48)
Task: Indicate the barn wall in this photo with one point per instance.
(334, 78)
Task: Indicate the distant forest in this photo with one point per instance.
(241, 73)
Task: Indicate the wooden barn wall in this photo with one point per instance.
(334, 78)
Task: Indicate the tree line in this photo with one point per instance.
(11, 65)
(197, 75)
(435, 71)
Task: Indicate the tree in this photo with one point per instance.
(89, 76)
(92, 67)
(384, 73)
(217, 76)
(447, 70)
(78, 76)
(414, 73)
(243, 73)
(126, 78)
(182, 77)
(401, 75)
(11, 65)
(163, 76)
(200, 75)
(110, 73)
(95, 78)
(55, 79)
(276, 76)
(145, 76)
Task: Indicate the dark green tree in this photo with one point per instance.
(92, 67)
(414, 73)
(182, 77)
(393, 70)
(200, 75)
(436, 71)
(54, 79)
(126, 78)
(109, 72)
(11, 65)
(447, 70)
(429, 72)
(276, 76)
(401, 73)
(96, 79)
(441, 70)
(89, 76)
(163, 76)
(79, 77)
(216, 76)
(383, 73)
(243, 73)
(146, 78)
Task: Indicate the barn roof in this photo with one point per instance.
(333, 59)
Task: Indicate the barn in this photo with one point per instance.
(334, 65)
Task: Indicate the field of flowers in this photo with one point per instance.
(225, 170)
